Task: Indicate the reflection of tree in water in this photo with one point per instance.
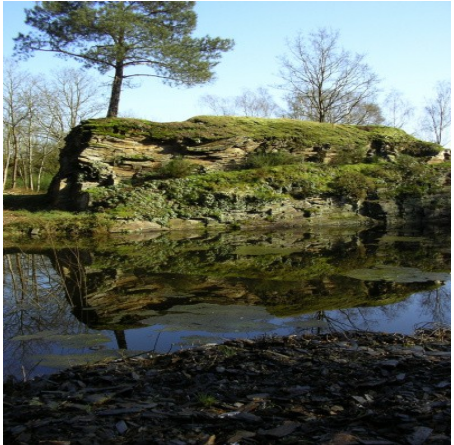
(72, 265)
(33, 302)
(435, 305)
(115, 288)
(40, 303)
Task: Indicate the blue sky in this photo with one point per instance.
(408, 44)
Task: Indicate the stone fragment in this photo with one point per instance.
(419, 436)
(281, 431)
(389, 363)
(239, 435)
(121, 426)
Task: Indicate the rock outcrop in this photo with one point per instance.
(103, 157)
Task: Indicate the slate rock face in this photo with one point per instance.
(110, 152)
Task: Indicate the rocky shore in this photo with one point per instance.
(338, 388)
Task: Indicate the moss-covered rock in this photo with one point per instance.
(239, 171)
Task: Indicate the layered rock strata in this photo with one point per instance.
(108, 153)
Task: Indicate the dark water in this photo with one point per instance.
(71, 305)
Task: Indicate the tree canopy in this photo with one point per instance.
(115, 36)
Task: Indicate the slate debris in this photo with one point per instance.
(333, 389)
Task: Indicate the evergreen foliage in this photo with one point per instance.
(121, 35)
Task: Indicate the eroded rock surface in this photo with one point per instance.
(110, 153)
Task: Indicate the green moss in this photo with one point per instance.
(296, 133)
(219, 195)
(395, 138)
(397, 274)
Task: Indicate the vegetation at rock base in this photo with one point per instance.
(269, 178)
(215, 195)
(204, 195)
(32, 215)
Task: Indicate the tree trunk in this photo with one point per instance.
(30, 160)
(7, 161)
(15, 162)
(40, 173)
(116, 91)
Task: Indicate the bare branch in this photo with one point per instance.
(326, 83)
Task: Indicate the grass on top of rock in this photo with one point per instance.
(204, 129)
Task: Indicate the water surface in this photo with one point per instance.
(162, 292)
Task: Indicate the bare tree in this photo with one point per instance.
(70, 96)
(15, 114)
(34, 306)
(365, 114)
(220, 106)
(37, 115)
(398, 110)
(325, 83)
(30, 132)
(258, 103)
(436, 119)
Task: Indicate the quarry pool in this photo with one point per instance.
(162, 292)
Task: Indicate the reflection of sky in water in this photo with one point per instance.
(415, 312)
(181, 326)
(172, 332)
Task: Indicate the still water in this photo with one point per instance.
(67, 305)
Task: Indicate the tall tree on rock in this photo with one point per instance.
(116, 36)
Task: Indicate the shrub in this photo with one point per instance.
(349, 155)
(176, 168)
(259, 160)
(352, 185)
(418, 178)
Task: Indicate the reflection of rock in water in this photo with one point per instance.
(289, 273)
